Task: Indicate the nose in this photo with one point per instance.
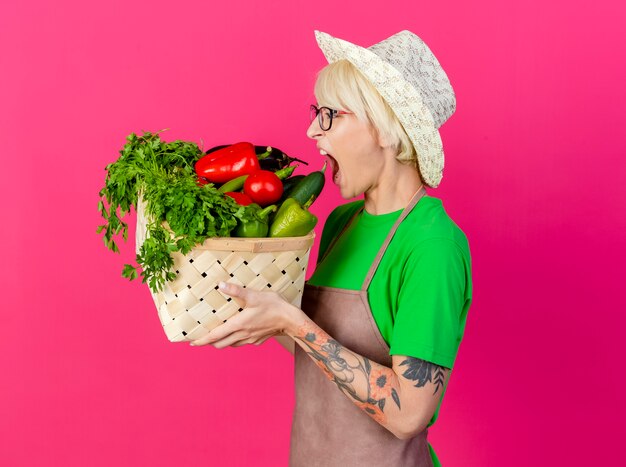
(314, 131)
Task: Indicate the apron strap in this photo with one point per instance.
(416, 197)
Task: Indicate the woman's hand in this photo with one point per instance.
(265, 314)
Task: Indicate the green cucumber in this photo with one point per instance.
(290, 183)
(309, 186)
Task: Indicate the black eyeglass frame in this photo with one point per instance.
(316, 111)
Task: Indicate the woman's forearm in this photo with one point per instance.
(372, 387)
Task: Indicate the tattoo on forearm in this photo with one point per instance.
(346, 369)
(423, 372)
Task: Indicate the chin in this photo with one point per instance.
(348, 195)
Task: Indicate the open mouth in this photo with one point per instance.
(333, 165)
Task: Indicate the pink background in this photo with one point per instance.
(534, 176)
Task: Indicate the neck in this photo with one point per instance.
(394, 189)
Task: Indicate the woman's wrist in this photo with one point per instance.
(294, 319)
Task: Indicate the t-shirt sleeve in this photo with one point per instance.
(432, 303)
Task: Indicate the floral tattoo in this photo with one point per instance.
(345, 368)
(423, 372)
(352, 372)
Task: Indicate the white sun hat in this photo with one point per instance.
(410, 79)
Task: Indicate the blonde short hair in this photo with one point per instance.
(340, 85)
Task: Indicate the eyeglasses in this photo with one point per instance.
(325, 116)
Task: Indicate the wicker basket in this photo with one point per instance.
(191, 305)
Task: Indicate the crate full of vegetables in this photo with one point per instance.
(235, 213)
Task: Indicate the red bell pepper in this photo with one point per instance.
(227, 163)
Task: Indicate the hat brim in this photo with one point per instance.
(403, 98)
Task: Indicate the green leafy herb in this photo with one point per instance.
(181, 213)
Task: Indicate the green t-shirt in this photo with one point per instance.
(422, 289)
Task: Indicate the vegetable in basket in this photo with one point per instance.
(290, 184)
(233, 185)
(310, 185)
(182, 207)
(257, 227)
(227, 163)
(293, 220)
(270, 158)
(304, 188)
(238, 183)
(241, 198)
(276, 159)
(163, 173)
(263, 187)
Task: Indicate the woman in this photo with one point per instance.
(381, 320)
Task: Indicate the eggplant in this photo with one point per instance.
(276, 159)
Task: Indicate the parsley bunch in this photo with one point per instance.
(181, 213)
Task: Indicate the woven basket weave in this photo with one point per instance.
(191, 305)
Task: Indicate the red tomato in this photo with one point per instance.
(240, 198)
(264, 187)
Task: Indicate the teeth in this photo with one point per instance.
(323, 153)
